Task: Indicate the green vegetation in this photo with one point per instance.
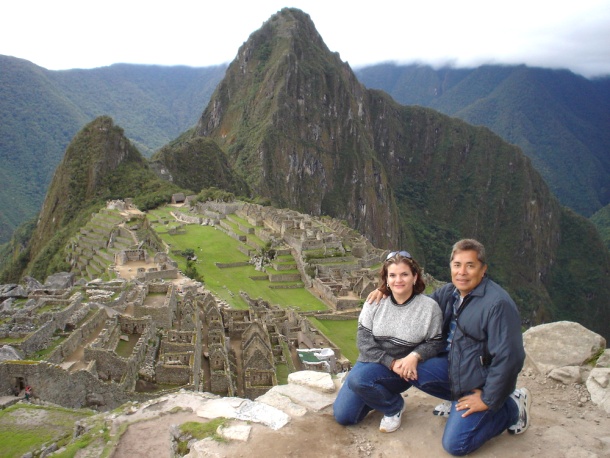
(601, 219)
(42, 110)
(567, 140)
(281, 372)
(26, 427)
(199, 431)
(212, 246)
(342, 333)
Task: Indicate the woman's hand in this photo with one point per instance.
(375, 296)
(407, 367)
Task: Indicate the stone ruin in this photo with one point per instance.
(147, 338)
(98, 343)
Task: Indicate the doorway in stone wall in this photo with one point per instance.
(19, 385)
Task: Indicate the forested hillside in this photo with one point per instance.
(560, 120)
(42, 110)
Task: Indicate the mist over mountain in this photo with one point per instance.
(290, 122)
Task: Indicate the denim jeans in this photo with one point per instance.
(369, 386)
(462, 435)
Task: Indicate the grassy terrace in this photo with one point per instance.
(213, 246)
(25, 427)
(342, 333)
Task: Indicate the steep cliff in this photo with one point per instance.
(293, 122)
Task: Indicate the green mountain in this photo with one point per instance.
(100, 164)
(291, 123)
(560, 120)
(601, 219)
(197, 163)
(42, 110)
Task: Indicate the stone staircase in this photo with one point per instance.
(94, 248)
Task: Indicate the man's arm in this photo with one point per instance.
(375, 297)
(505, 345)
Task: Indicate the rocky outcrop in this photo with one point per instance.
(569, 353)
(561, 344)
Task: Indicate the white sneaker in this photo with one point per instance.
(523, 398)
(390, 424)
(443, 409)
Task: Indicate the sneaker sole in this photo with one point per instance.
(384, 430)
(526, 407)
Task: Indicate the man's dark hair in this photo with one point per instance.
(469, 245)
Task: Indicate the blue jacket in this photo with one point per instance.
(488, 325)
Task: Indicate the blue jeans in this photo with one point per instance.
(369, 386)
(462, 435)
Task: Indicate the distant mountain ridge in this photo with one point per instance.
(559, 119)
(42, 110)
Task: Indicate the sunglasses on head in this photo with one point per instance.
(406, 254)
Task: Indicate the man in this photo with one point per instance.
(484, 355)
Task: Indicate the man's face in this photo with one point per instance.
(466, 271)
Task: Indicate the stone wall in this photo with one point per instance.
(284, 277)
(74, 390)
(158, 274)
(226, 265)
(258, 382)
(77, 337)
(163, 315)
(125, 256)
(220, 383)
(109, 365)
(186, 218)
(174, 374)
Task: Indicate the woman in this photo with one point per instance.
(393, 338)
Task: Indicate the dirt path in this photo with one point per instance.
(151, 438)
(564, 424)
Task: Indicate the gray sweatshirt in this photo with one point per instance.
(390, 331)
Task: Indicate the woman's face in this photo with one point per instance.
(401, 279)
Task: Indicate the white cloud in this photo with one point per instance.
(72, 34)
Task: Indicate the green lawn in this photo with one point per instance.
(342, 333)
(25, 427)
(211, 246)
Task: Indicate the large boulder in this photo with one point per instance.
(563, 343)
(60, 280)
(8, 353)
(32, 284)
(12, 291)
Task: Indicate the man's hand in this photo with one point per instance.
(471, 403)
(375, 296)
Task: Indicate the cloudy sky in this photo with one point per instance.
(64, 34)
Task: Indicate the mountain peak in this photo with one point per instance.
(97, 150)
(287, 113)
